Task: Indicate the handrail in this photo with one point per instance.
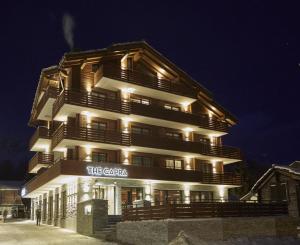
(138, 78)
(204, 209)
(187, 146)
(40, 158)
(40, 132)
(201, 120)
(86, 99)
(50, 92)
(82, 98)
(90, 134)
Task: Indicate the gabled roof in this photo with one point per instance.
(145, 49)
(142, 46)
(290, 171)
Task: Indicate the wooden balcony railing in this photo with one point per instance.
(50, 92)
(226, 178)
(202, 121)
(40, 132)
(90, 135)
(89, 100)
(186, 146)
(204, 210)
(119, 138)
(141, 79)
(40, 158)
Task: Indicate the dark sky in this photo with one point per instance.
(245, 52)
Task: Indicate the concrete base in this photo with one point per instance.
(210, 229)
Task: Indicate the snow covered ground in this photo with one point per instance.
(182, 239)
(27, 233)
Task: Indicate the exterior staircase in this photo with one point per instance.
(108, 232)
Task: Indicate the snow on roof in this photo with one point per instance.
(289, 169)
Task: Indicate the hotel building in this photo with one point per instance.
(124, 124)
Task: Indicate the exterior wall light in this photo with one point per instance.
(187, 133)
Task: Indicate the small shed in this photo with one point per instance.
(279, 184)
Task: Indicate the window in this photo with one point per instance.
(174, 164)
(142, 161)
(201, 196)
(99, 125)
(99, 95)
(141, 101)
(204, 140)
(173, 135)
(139, 130)
(99, 157)
(171, 107)
(137, 160)
(203, 166)
(178, 164)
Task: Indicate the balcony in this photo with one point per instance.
(185, 146)
(55, 174)
(202, 121)
(40, 160)
(114, 78)
(71, 102)
(105, 138)
(68, 135)
(44, 106)
(41, 139)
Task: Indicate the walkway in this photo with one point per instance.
(27, 233)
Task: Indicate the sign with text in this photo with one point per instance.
(107, 171)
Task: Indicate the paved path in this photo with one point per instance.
(27, 233)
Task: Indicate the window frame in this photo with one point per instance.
(142, 161)
(98, 154)
(141, 130)
(172, 107)
(98, 123)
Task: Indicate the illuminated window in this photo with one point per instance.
(99, 157)
(172, 107)
(174, 164)
(173, 135)
(140, 101)
(99, 95)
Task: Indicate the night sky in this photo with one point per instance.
(245, 52)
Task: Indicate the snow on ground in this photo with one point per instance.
(27, 233)
(183, 239)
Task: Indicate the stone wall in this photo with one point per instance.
(90, 221)
(198, 230)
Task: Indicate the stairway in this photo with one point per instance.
(108, 232)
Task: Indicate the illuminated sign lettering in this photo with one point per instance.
(107, 172)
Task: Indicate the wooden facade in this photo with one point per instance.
(125, 108)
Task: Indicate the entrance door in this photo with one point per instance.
(131, 194)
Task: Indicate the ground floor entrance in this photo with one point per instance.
(59, 205)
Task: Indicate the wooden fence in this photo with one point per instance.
(204, 210)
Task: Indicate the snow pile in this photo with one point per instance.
(181, 239)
